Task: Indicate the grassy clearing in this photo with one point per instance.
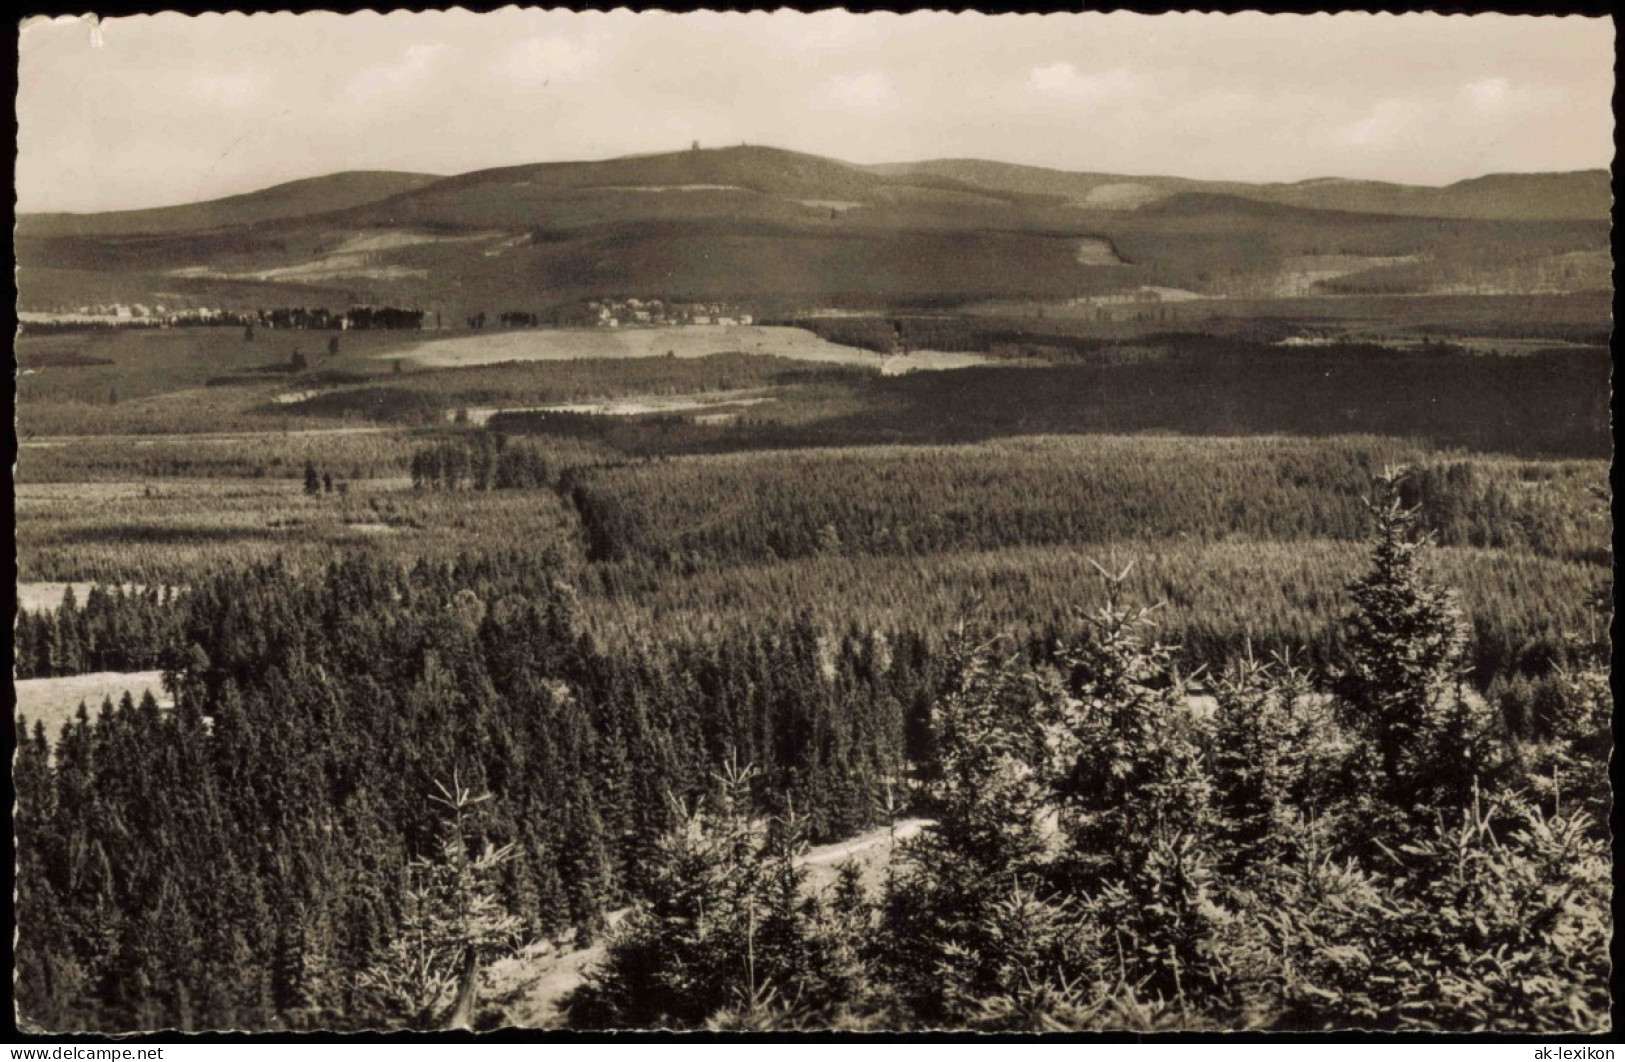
(424, 396)
(47, 597)
(55, 701)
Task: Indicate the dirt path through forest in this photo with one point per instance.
(534, 984)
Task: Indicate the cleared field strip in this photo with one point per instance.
(687, 341)
(154, 439)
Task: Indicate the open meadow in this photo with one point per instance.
(692, 341)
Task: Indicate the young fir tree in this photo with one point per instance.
(1123, 745)
(1400, 684)
(968, 932)
(452, 924)
(1134, 806)
(725, 934)
(1274, 756)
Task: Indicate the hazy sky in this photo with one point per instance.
(152, 110)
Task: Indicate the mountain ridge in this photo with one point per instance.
(1540, 196)
(1554, 195)
(789, 228)
(288, 199)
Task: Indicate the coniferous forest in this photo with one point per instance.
(376, 779)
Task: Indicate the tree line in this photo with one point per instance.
(319, 318)
(114, 630)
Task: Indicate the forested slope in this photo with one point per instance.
(238, 860)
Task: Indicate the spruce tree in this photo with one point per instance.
(1400, 684)
(1123, 746)
(962, 918)
(453, 923)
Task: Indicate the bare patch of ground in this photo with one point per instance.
(1122, 195)
(633, 406)
(356, 257)
(671, 188)
(936, 360)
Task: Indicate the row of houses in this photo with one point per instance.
(120, 315)
(133, 311)
(618, 313)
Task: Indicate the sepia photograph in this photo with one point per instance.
(808, 522)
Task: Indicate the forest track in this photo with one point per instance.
(863, 843)
(530, 988)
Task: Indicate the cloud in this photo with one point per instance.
(865, 92)
(543, 60)
(412, 67)
(1064, 81)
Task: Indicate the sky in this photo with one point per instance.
(161, 109)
